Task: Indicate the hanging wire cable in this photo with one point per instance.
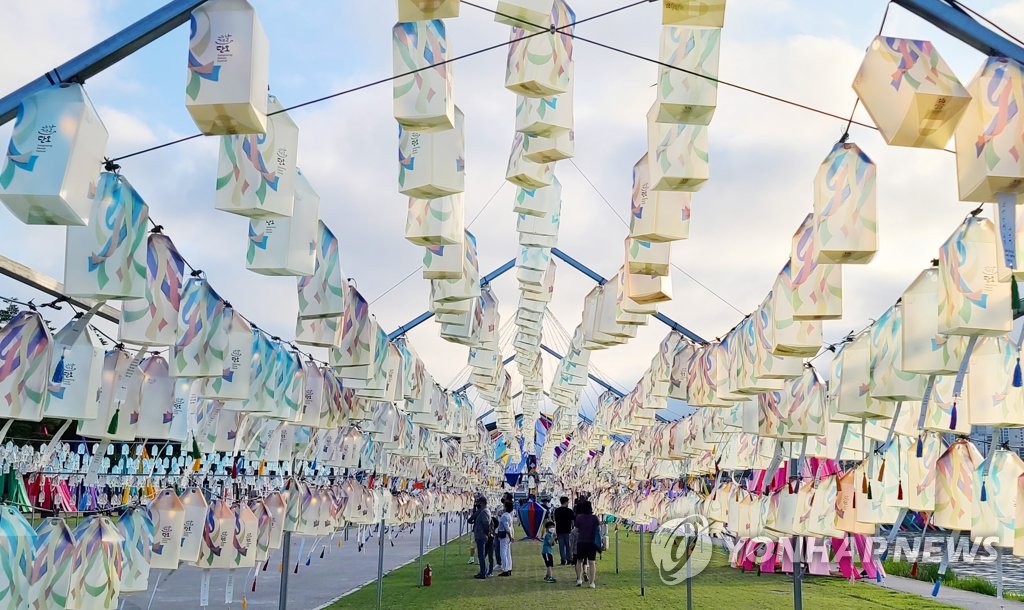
(856, 101)
(397, 284)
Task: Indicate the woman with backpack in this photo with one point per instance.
(588, 541)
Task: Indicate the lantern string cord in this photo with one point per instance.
(856, 101)
(382, 81)
(994, 25)
(396, 285)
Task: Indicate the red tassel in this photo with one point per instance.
(881, 470)
(899, 492)
(913, 571)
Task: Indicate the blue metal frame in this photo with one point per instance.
(957, 23)
(106, 53)
(423, 317)
(587, 271)
(604, 384)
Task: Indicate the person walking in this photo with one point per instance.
(588, 540)
(481, 521)
(564, 517)
(547, 549)
(505, 532)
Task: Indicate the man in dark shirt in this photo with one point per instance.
(481, 521)
(564, 517)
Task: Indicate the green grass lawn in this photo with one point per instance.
(718, 587)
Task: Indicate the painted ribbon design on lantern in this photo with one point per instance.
(21, 140)
(420, 45)
(998, 97)
(199, 45)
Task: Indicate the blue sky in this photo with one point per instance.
(763, 154)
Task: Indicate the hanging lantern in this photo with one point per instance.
(548, 149)
(420, 10)
(228, 69)
(847, 510)
(319, 332)
(539, 230)
(888, 380)
(286, 246)
(435, 222)
(423, 79)
(541, 202)
(767, 366)
(243, 540)
(538, 65)
(990, 387)
(522, 171)
(854, 399)
(76, 366)
(994, 505)
(153, 319)
(648, 258)
(895, 472)
(234, 382)
(678, 154)
(822, 520)
(218, 530)
(264, 521)
(321, 295)
(532, 15)
(911, 94)
(846, 229)
(158, 417)
(786, 335)
(704, 13)
(646, 289)
(202, 336)
(657, 216)
(817, 287)
(195, 510)
(261, 381)
(167, 514)
(988, 157)
(973, 301)
(443, 262)
(921, 471)
(358, 338)
(51, 172)
(954, 486)
(52, 567)
(98, 566)
(688, 90)
(107, 260)
(923, 349)
(118, 400)
(546, 116)
(136, 531)
(807, 414)
(276, 508)
(432, 163)
(17, 543)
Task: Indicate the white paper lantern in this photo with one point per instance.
(168, 516)
(522, 171)
(153, 319)
(228, 69)
(685, 97)
(648, 258)
(786, 335)
(657, 216)
(705, 13)
(846, 218)
(286, 246)
(924, 350)
(419, 10)
(53, 160)
(202, 335)
(888, 380)
(423, 81)
(432, 163)
(322, 294)
(678, 154)
(435, 222)
(76, 367)
(540, 66)
(817, 287)
(973, 300)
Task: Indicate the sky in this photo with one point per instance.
(764, 155)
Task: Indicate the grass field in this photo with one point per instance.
(718, 587)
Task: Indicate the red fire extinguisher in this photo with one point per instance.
(426, 576)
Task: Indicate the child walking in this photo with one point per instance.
(547, 549)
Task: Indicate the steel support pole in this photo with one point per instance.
(419, 562)
(955, 22)
(616, 548)
(380, 564)
(641, 538)
(286, 555)
(689, 577)
(444, 543)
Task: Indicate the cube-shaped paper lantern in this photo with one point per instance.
(973, 300)
(75, 370)
(548, 149)
(432, 163)
(286, 246)
(50, 573)
(994, 507)
(888, 380)
(237, 377)
(645, 289)
(25, 372)
(117, 413)
(199, 350)
(321, 332)
(98, 565)
(539, 230)
(545, 116)
(846, 229)
(947, 412)
(256, 173)
(678, 154)
(657, 216)
(994, 400)
(954, 486)
(228, 69)
(988, 139)
(853, 394)
(160, 416)
(911, 94)
(54, 157)
(648, 258)
(153, 319)
(768, 367)
(684, 97)
(541, 66)
(435, 222)
(540, 201)
(787, 335)
(443, 262)
(420, 10)
(531, 15)
(817, 287)
(107, 259)
(704, 13)
(524, 172)
(423, 82)
(923, 349)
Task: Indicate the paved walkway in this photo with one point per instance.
(316, 585)
(947, 595)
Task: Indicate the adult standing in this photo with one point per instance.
(481, 521)
(564, 517)
(588, 531)
(505, 532)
